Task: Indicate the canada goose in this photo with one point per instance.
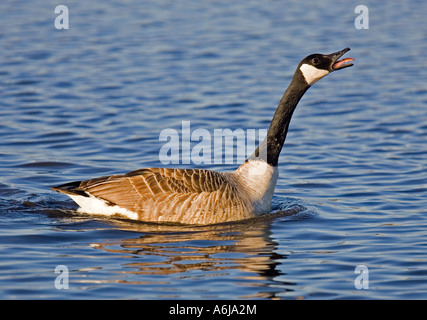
(199, 196)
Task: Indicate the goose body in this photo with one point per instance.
(199, 196)
(190, 196)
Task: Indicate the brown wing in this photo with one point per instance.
(155, 181)
(152, 184)
(174, 195)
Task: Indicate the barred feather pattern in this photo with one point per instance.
(189, 196)
(172, 195)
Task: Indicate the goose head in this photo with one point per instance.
(316, 66)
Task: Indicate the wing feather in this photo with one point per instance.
(175, 195)
(153, 184)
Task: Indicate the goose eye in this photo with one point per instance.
(315, 61)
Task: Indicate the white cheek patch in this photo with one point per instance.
(312, 74)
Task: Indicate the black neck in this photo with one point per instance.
(276, 135)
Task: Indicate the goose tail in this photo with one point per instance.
(71, 188)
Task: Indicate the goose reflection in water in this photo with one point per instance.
(244, 247)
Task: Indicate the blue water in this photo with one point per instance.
(93, 99)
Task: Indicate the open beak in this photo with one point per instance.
(340, 64)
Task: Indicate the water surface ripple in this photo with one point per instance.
(93, 99)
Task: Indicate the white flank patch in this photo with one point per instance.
(312, 74)
(93, 205)
(259, 179)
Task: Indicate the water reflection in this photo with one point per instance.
(243, 247)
